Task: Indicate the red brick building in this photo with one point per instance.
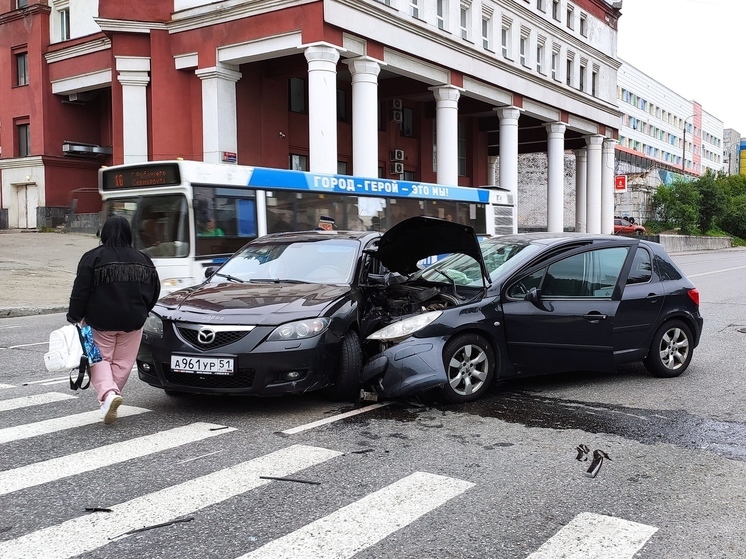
(370, 87)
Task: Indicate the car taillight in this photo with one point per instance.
(694, 296)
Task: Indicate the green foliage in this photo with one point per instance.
(734, 219)
(678, 205)
(713, 201)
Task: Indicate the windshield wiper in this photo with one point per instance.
(230, 278)
(449, 278)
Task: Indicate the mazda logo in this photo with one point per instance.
(206, 336)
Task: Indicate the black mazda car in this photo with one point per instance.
(422, 306)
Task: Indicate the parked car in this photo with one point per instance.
(294, 312)
(625, 227)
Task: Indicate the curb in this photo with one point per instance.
(14, 312)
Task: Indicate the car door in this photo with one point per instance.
(567, 320)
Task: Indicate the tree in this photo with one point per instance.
(713, 201)
(677, 204)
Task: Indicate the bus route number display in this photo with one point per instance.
(140, 177)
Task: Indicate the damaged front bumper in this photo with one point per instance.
(411, 366)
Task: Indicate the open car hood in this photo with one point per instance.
(416, 238)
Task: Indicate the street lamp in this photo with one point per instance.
(683, 155)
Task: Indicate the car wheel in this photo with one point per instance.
(347, 384)
(670, 351)
(470, 366)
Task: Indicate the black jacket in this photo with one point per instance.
(115, 289)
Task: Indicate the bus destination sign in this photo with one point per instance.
(141, 177)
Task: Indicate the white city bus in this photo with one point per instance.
(188, 215)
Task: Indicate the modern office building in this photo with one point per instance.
(732, 151)
(370, 87)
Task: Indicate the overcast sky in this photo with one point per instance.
(696, 48)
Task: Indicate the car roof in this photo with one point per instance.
(301, 236)
(546, 238)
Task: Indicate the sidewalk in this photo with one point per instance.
(37, 270)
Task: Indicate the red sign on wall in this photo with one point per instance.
(620, 183)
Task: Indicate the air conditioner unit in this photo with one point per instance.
(397, 116)
(396, 104)
(397, 155)
(397, 168)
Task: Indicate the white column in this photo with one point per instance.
(607, 186)
(581, 179)
(364, 72)
(446, 130)
(219, 120)
(593, 196)
(322, 107)
(555, 177)
(508, 117)
(134, 77)
(492, 170)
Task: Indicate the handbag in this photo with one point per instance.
(67, 352)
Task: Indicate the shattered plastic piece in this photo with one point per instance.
(98, 509)
(598, 460)
(291, 479)
(145, 528)
(362, 451)
(583, 450)
(219, 428)
(366, 396)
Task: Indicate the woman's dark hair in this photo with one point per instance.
(116, 232)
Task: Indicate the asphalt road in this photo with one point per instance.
(505, 477)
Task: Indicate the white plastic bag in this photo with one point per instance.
(65, 350)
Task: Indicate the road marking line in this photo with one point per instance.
(595, 536)
(715, 272)
(334, 418)
(93, 459)
(55, 382)
(363, 523)
(3, 386)
(60, 424)
(86, 533)
(45, 380)
(34, 400)
(26, 345)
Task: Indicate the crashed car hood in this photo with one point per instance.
(413, 239)
(250, 303)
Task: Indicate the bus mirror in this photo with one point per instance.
(209, 272)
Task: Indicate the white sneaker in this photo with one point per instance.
(110, 406)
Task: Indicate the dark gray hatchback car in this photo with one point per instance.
(423, 306)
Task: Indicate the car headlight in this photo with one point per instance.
(153, 325)
(404, 328)
(299, 330)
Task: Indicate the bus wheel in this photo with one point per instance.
(347, 384)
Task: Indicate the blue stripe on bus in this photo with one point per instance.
(282, 179)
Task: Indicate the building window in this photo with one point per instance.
(440, 14)
(581, 76)
(541, 5)
(556, 9)
(594, 83)
(297, 95)
(570, 18)
(464, 19)
(64, 24)
(341, 167)
(21, 3)
(505, 39)
(540, 58)
(21, 68)
(385, 2)
(523, 49)
(486, 32)
(414, 8)
(584, 25)
(407, 124)
(24, 139)
(568, 76)
(298, 162)
(555, 64)
(341, 105)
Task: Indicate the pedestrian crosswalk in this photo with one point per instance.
(355, 526)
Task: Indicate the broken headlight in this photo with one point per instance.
(405, 328)
(299, 330)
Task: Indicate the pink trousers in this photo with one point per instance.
(118, 350)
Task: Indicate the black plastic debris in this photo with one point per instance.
(596, 462)
(365, 451)
(145, 528)
(97, 509)
(291, 479)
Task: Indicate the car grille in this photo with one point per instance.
(221, 338)
(242, 378)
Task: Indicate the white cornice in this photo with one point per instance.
(21, 162)
(126, 26)
(96, 45)
(222, 12)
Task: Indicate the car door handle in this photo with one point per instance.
(594, 316)
(652, 297)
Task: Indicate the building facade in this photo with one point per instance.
(332, 86)
(732, 151)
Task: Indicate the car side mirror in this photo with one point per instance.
(210, 271)
(534, 297)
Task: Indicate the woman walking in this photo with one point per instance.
(114, 290)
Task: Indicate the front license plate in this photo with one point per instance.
(202, 365)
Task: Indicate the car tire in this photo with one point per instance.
(671, 350)
(346, 386)
(469, 362)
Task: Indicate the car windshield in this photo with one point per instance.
(500, 258)
(323, 261)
